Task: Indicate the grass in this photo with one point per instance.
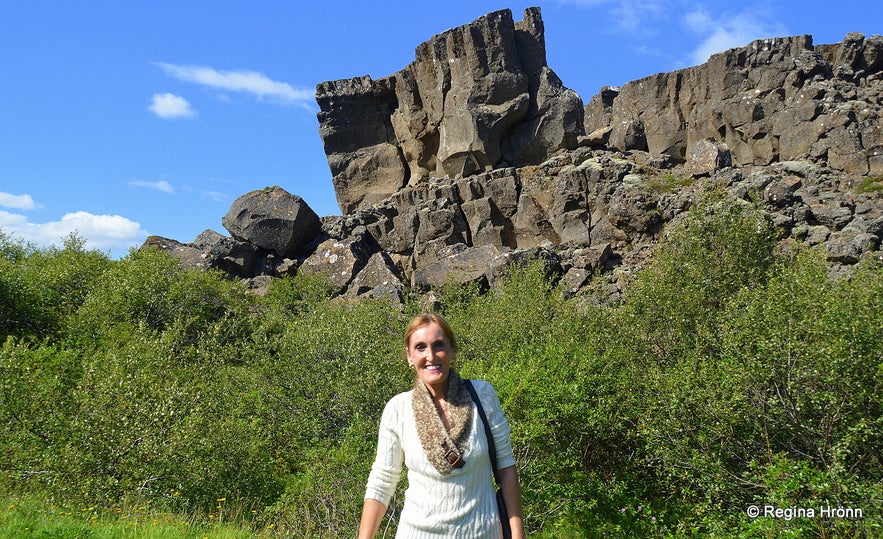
(667, 183)
(26, 517)
(870, 185)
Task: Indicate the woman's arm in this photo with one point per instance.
(372, 515)
(385, 472)
(511, 488)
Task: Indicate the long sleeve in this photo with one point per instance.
(497, 420)
(387, 468)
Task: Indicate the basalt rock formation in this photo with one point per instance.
(475, 98)
(774, 100)
(475, 157)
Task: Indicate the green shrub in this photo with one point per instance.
(814, 358)
(41, 288)
(325, 370)
(667, 183)
(19, 313)
(319, 500)
(37, 401)
(149, 290)
(716, 250)
(870, 184)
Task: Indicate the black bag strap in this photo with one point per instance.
(492, 450)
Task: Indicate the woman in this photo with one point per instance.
(435, 431)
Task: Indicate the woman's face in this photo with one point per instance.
(429, 351)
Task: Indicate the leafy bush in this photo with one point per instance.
(41, 288)
(36, 403)
(673, 307)
(149, 291)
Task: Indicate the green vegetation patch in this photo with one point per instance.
(729, 378)
(870, 185)
(25, 517)
(668, 182)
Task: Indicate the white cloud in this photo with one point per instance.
(102, 232)
(632, 15)
(698, 21)
(18, 202)
(161, 185)
(714, 29)
(11, 221)
(248, 82)
(216, 196)
(171, 106)
(728, 31)
(628, 15)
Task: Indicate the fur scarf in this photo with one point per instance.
(443, 448)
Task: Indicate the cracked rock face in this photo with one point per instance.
(475, 98)
(773, 100)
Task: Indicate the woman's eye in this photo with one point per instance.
(420, 347)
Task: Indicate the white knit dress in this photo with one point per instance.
(458, 505)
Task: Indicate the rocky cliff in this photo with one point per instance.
(476, 98)
(773, 100)
(475, 156)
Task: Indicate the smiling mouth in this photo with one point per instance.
(433, 368)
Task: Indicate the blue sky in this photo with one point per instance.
(120, 120)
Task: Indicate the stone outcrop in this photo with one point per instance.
(476, 98)
(773, 100)
(473, 159)
(339, 260)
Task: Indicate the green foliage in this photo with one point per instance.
(319, 501)
(324, 371)
(813, 360)
(673, 308)
(24, 517)
(41, 288)
(148, 290)
(668, 182)
(300, 294)
(729, 375)
(36, 402)
(870, 185)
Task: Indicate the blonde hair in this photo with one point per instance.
(426, 319)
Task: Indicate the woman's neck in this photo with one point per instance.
(439, 393)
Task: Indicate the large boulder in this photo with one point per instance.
(460, 265)
(379, 278)
(273, 219)
(227, 254)
(187, 255)
(476, 98)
